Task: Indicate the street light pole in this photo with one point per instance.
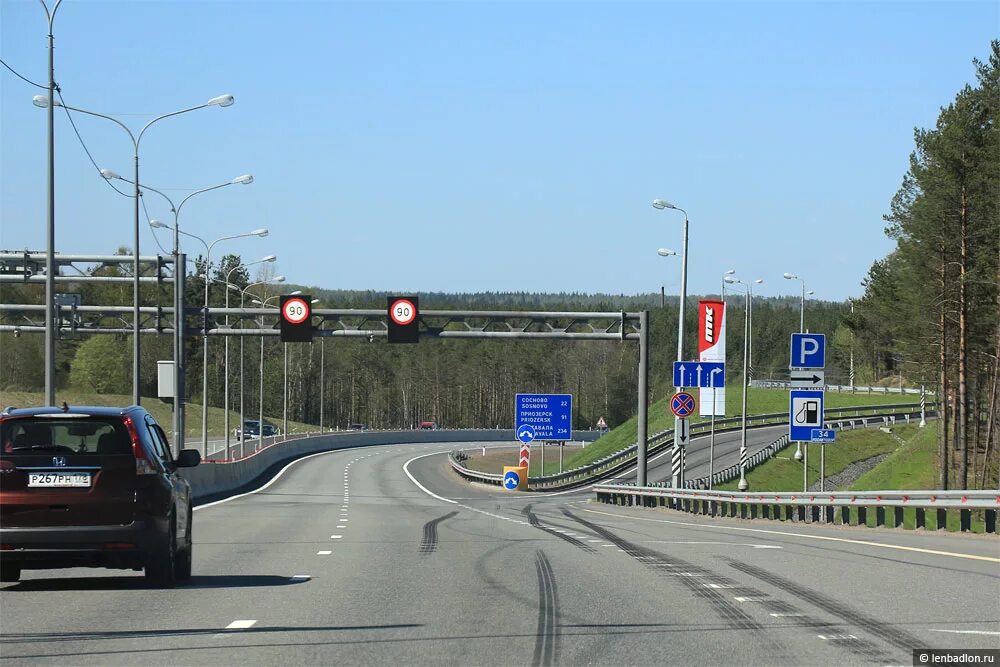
(743, 485)
(285, 391)
(660, 204)
(243, 425)
(50, 243)
(749, 378)
(180, 270)
(802, 301)
(221, 101)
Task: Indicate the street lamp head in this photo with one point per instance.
(232, 287)
(295, 293)
(259, 232)
(278, 279)
(791, 276)
(662, 204)
(109, 174)
(810, 292)
(257, 301)
(157, 224)
(268, 258)
(245, 179)
(665, 252)
(730, 272)
(314, 301)
(730, 280)
(759, 281)
(221, 101)
(43, 102)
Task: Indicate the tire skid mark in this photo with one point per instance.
(430, 541)
(535, 523)
(547, 635)
(735, 618)
(894, 636)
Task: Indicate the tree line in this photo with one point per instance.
(932, 306)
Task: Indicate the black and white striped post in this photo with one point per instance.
(923, 407)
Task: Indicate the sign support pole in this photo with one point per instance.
(640, 470)
(541, 448)
(561, 444)
(805, 467)
(822, 468)
(711, 446)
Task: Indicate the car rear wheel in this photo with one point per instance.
(182, 567)
(161, 565)
(10, 572)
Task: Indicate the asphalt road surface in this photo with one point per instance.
(383, 556)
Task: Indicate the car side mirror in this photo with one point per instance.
(188, 458)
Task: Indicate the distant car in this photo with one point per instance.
(429, 425)
(93, 487)
(252, 429)
(357, 427)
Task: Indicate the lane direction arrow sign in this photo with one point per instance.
(705, 374)
(807, 379)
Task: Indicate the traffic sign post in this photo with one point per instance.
(549, 416)
(296, 318)
(703, 374)
(808, 351)
(403, 319)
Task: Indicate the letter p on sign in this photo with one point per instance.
(808, 351)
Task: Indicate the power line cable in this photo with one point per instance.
(85, 149)
(18, 75)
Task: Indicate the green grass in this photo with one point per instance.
(162, 412)
(912, 466)
(759, 401)
(784, 473)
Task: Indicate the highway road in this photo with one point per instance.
(382, 556)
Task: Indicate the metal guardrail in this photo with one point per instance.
(814, 507)
(841, 388)
(624, 458)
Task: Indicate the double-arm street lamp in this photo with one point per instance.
(179, 270)
(243, 434)
(204, 375)
(661, 204)
(220, 101)
(746, 342)
(802, 302)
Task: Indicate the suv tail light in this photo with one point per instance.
(143, 466)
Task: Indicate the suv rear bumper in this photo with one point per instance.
(81, 546)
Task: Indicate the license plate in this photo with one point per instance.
(59, 479)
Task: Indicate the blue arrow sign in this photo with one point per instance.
(822, 435)
(706, 374)
(549, 416)
(525, 433)
(808, 351)
(511, 480)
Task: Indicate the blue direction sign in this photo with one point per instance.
(822, 435)
(808, 351)
(550, 416)
(525, 433)
(805, 414)
(706, 374)
(511, 480)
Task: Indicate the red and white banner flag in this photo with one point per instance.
(712, 347)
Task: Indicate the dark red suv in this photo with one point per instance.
(92, 487)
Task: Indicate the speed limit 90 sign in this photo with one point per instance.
(296, 320)
(402, 319)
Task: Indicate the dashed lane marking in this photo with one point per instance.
(300, 577)
(336, 537)
(323, 553)
(968, 632)
(866, 543)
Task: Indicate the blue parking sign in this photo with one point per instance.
(808, 351)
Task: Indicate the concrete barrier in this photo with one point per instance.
(213, 479)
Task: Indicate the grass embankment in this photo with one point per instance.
(162, 412)
(759, 401)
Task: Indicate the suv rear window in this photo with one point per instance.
(72, 435)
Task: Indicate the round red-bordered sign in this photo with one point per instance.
(402, 312)
(295, 311)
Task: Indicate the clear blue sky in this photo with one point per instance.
(469, 146)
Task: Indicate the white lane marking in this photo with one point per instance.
(968, 632)
(269, 483)
(240, 625)
(728, 544)
(720, 586)
(748, 599)
(341, 526)
(866, 543)
(344, 520)
(406, 469)
(785, 613)
(825, 637)
(336, 537)
(323, 553)
(593, 540)
(607, 545)
(300, 577)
